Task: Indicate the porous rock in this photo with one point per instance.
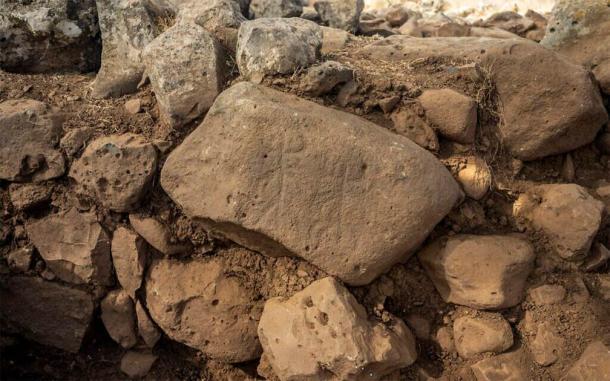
(49, 35)
(126, 27)
(539, 118)
(30, 132)
(198, 303)
(483, 272)
(157, 235)
(323, 78)
(409, 124)
(451, 113)
(46, 312)
(119, 318)
(580, 31)
(26, 196)
(275, 8)
(187, 68)
(301, 191)
(277, 46)
(485, 333)
(146, 327)
(593, 364)
(340, 14)
(567, 215)
(129, 258)
(324, 324)
(137, 364)
(74, 246)
(116, 170)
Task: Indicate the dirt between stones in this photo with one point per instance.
(405, 291)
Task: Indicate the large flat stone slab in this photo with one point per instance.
(285, 176)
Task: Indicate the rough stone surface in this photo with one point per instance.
(593, 364)
(116, 170)
(506, 367)
(199, 304)
(74, 246)
(451, 113)
(323, 78)
(187, 68)
(275, 8)
(547, 294)
(407, 123)
(300, 191)
(119, 318)
(75, 140)
(137, 364)
(157, 235)
(340, 14)
(486, 333)
(222, 18)
(26, 196)
(565, 213)
(334, 39)
(484, 272)
(547, 346)
(475, 178)
(277, 46)
(47, 312)
(324, 324)
(580, 31)
(129, 258)
(126, 27)
(146, 327)
(29, 132)
(539, 118)
(49, 35)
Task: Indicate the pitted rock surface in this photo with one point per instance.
(303, 179)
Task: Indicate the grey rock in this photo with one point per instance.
(277, 46)
(116, 170)
(126, 27)
(30, 132)
(580, 31)
(340, 14)
(323, 78)
(275, 8)
(74, 246)
(47, 312)
(49, 35)
(302, 191)
(187, 69)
